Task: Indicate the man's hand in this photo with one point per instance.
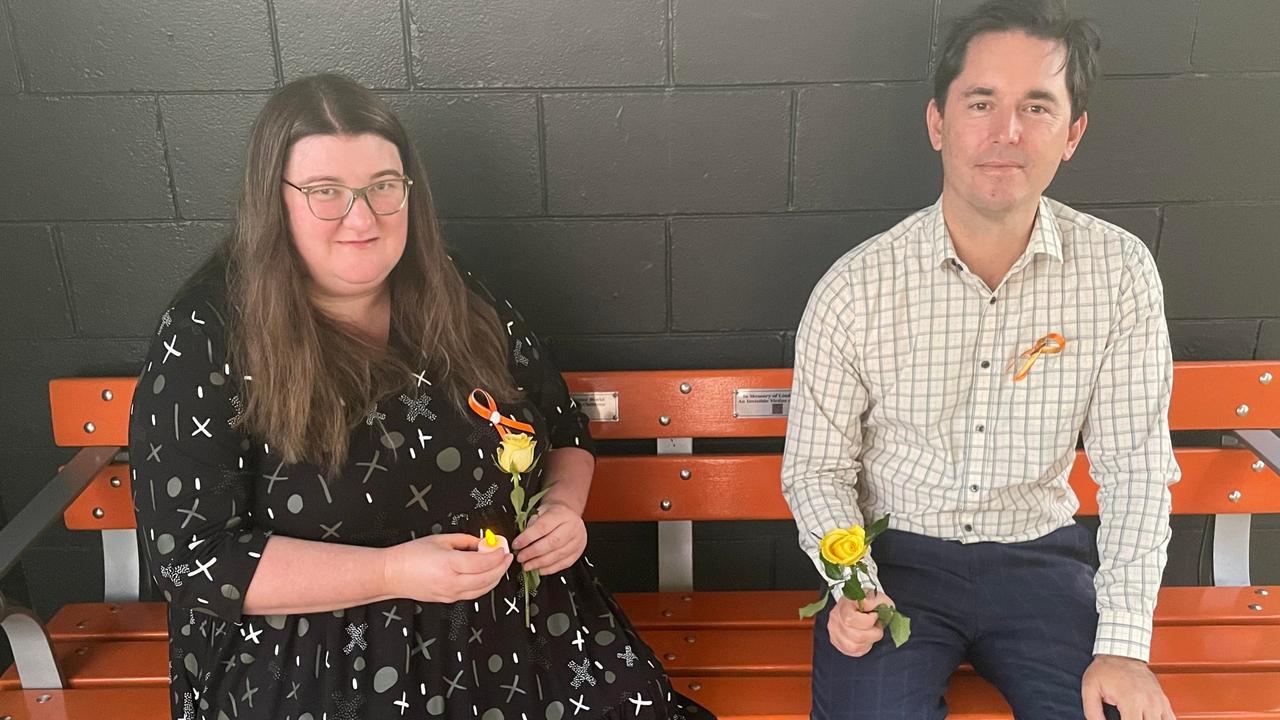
(1126, 683)
(853, 631)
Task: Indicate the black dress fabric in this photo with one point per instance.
(208, 497)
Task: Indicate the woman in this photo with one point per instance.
(314, 441)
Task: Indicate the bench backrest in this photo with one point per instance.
(677, 485)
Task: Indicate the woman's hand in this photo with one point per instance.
(442, 568)
(553, 540)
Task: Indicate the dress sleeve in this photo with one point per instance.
(192, 490)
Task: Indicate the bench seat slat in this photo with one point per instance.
(1199, 696)
(1174, 648)
(771, 651)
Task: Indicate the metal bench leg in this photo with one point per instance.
(32, 648)
(1231, 533)
(121, 569)
(675, 537)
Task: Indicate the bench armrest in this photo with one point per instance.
(32, 648)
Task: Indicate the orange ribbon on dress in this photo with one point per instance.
(489, 411)
(1050, 344)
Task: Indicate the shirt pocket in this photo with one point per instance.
(1045, 410)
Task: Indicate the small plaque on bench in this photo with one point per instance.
(598, 406)
(761, 402)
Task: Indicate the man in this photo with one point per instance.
(945, 369)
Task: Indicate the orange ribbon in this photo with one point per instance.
(489, 411)
(1050, 344)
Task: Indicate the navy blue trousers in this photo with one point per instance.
(1022, 613)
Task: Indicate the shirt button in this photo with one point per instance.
(968, 528)
(986, 364)
(973, 488)
(993, 300)
(981, 428)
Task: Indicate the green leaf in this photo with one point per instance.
(533, 501)
(532, 580)
(876, 528)
(899, 628)
(834, 571)
(517, 498)
(853, 590)
(885, 613)
(814, 607)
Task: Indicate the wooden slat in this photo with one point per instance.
(1174, 648)
(743, 609)
(720, 487)
(746, 487)
(110, 621)
(1206, 396)
(107, 664)
(75, 402)
(1209, 477)
(132, 703)
(706, 411)
(763, 609)
(114, 500)
(1197, 696)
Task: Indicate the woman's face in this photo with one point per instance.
(353, 255)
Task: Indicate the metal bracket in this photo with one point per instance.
(1264, 443)
(32, 647)
(1231, 550)
(675, 537)
(121, 570)
(48, 505)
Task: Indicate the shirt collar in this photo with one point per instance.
(1046, 237)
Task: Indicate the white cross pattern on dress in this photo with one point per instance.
(174, 574)
(203, 568)
(484, 499)
(639, 702)
(579, 705)
(171, 348)
(578, 641)
(417, 407)
(628, 656)
(357, 638)
(581, 674)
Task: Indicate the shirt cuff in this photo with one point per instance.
(1125, 634)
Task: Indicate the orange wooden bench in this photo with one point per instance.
(742, 653)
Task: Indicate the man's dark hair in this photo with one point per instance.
(1047, 19)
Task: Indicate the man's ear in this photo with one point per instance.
(1074, 134)
(933, 120)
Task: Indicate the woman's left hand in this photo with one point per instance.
(554, 539)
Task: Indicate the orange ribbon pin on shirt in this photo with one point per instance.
(489, 411)
(1050, 344)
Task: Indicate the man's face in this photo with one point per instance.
(1007, 122)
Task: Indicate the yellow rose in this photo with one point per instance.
(844, 546)
(515, 454)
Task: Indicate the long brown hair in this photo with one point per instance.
(313, 380)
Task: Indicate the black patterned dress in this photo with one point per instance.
(207, 499)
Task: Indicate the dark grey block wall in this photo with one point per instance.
(658, 184)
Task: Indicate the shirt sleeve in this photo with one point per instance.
(192, 491)
(1130, 453)
(820, 461)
